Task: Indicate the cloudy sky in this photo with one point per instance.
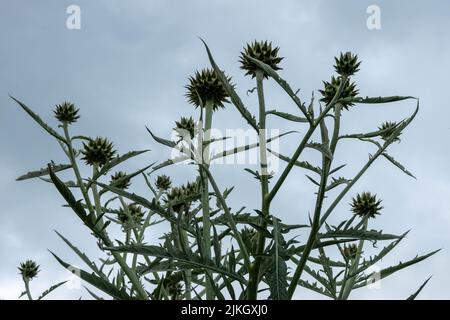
(127, 65)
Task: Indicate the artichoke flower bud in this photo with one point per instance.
(163, 182)
(66, 112)
(98, 151)
(366, 205)
(185, 126)
(262, 51)
(347, 64)
(29, 269)
(136, 214)
(388, 129)
(350, 252)
(331, 88)
(205, 86)
(120, 181)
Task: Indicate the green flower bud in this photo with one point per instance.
(98, 151)
(347, 64)
(330, 89)
(366, 205)
(66, 113)
(262, 51)
(205, 86)
(29, 269)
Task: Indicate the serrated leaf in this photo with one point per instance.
(322, 148)
(116, 161)
(301, 164)
(82, 255)
(246, 147)
(282, 83)
(353, 233)
(415, 294)
(386, 272)
(193, 261)
(376, 100)
(277, 275)
(162, 141)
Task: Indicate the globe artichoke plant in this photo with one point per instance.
(211, 250)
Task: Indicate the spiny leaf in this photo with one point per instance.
(375, 100)
(415, 294)
(235, 99)
(36, 118)
(193, 261)
(301, 164)
(247, 147)
(323, 148)
(353, 233)
(287, 116)
(384, 273)
(49, 290)
(398, 164)
(162, 141)
(278, 272)
(283, 84)
(82, 255)
(116, 161)
(372, 260)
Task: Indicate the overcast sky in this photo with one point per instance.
(128, 64)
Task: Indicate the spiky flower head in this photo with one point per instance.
(29, 269)
(331, 88)
(388, 129)
(350, 252)
(120, 180)
(366, 205)
(347, 64)
(262, 51)
(185, 126)
(163, 182)
(173, 286)
(135, 212)
(181, 197)
(66, 112)
(98, 151)
(250, 239)
(205, 87)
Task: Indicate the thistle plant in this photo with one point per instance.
(210, 250)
